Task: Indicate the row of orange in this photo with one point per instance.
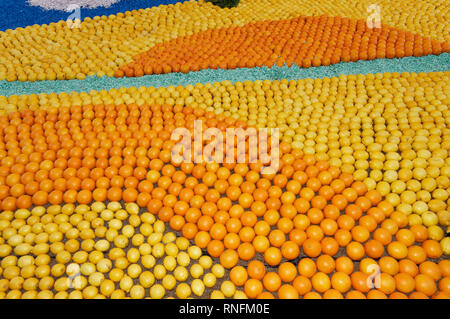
(305, 41)
(89, 153)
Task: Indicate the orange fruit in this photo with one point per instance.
(253, 288)
(271, 281)
(256, 269)
(238, 276)
(341, 282)
(320, 282)
(325, 264)
(311, 247)
(425, 284)
(405, 283)
(290, 250)
(431, 269)
(229, 258)
(287, 292)
(272, 256)
(287, 272)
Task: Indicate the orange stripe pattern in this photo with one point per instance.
(305, 41)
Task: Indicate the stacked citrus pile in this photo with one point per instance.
(305, 41)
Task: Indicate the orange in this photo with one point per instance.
(444, 266)
(354, 294)
(376, 294)
(404, 282)
(397, 249)
(238, 276)
(330, 246)
(270, 51)
(420, 233)
(329, 227)
(387, 283)
(425, 285)
(343, 237)
(431, 269)
(344, 264)
(360, 234)
(408, 267)
(383, 236)
(231, 241)
(302, 285)
(287, 292)
(253, 288)
(229, 258)
(215, 248)
(297, 236)
(320, 282)
(190, 230)
(444, 285)
(311, 247)
(290, 250)
(368, 266)
(246, 251)
(261, 243)
(325, 264)
(341, 282)
(355, 250)
(314, 232)
(389, 265)
(272, 256)
(417, 254)
(218, 231)
(312, 295)
(418, 295)
(287, 272)
(256, 269)
(307, 267)
(359, 281)
(271, 281)
(266, 295)
(277, 238)
(374, 248)
(405, 236)
(398, 295)
(332, 294)
(432, 248)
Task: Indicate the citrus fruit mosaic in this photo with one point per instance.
(109, 193)
(306, 41)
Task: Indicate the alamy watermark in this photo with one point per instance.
(373, 21)
(190, 149)
(74, 20)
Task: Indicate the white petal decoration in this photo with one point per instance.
(68, 5)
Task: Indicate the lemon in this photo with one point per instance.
(183, 291)
(197, 287)
(217, 294)
(181, 273)
(169, 282)
(146, 279)
(228, 288)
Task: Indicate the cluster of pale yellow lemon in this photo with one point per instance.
(100, 251)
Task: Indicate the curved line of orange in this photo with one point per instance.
(306, 41)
